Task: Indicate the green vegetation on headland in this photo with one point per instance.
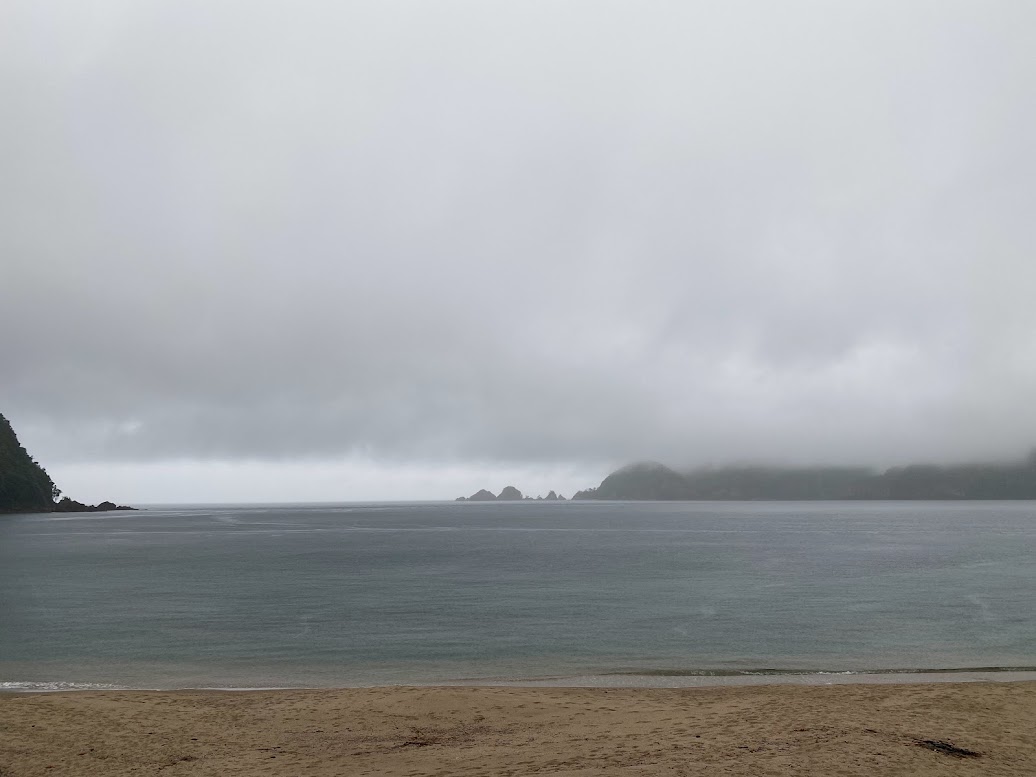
(25, 487)
(24, 484)
(918, 481)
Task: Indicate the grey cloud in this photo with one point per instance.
(518, 232)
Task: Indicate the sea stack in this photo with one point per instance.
(510, 494)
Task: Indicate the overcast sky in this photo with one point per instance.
(349, 250)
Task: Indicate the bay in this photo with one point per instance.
(333, 595)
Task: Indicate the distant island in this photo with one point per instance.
(25, 487)
(654, 481)
(509, 494)
(650, 480)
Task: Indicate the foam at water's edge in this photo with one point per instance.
(685, 679)
(703, 680)
(14, 686)
(768, 671)
(31, 686)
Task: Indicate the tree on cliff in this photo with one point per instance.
(24, 484)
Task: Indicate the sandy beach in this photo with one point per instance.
(762, 730)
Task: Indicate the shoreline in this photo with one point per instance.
(927, 729)
(658, 679)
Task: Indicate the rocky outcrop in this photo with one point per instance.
(67, 505)
(509, 494)
(480, 496)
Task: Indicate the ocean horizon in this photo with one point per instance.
(604, 593)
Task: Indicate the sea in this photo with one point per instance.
(581, 593)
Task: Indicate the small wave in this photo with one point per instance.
(32, 686)
(775, 672)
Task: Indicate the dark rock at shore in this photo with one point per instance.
(67, 505)
(105, 506)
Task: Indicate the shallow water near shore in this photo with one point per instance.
(541, 593)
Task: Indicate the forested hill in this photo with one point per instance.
(919, 481)
(24, 485)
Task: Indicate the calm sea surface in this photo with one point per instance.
(317, 595)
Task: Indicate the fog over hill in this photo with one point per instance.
(651, 480)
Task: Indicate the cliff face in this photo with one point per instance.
(24, 485)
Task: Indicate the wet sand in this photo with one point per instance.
(865, 729)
